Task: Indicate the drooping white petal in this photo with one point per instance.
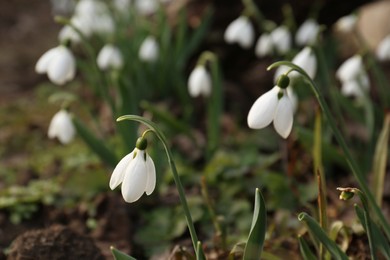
(240, 31)
(383, 49)
(281, 38)
(149, 50)
(120, 169)
(62, 66)
(306, 59)
(134, 182)
(350, 68)
(293, 98)
(346, 23)
(199, 82)
(284, 117)
(109, 57)
(151, 174)
(43, 63)
(262, 111)
(146, 7)
(307, 32)
(264, 45)
(61, 127)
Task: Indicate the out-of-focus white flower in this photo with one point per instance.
(346, 23)
(275, 105)
(353, 77)
(305, 59)
(61, 127)
(199, 82)
(240, 31)
(149, 50)
(307, 33)
(110, 57)
(146, 7)
(137, 173)
(59, 64)
(264, 45)
(67, 33)
(281, 38)
(383, 49)
(122, 6)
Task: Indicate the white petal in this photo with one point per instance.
(151, 172)
(306, 59)
(149, 49)
(120, 169)
(134, 182)
(264, 45)
(109, 57)
(307, 32)
(262, 111)
(346, 23)
(383, 49)
(44, 61)
(281, 38)
(350, 68)
(240, 31)
(293, 98)
(61, 126)
(283, 120)
(62, 67)
(199, 82)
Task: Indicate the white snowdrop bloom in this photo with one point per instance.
(346, 23)
(110, 57)
(264, 45)
(146, 7)
(199, 82)
(61, 127)
(137, 173)
(67, 33)
(383, 49)
(281, 38)
(122, 6)
(59, 64)
(353, 77)
(240, 31)
(149, 50)
(275, 105)
(307, 33)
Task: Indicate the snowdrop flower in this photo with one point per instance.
(146, 7)
(149, 50)
(383, 49)
(61, 127)
(240, 31)
(67, 33)
(346, 23)
(275, 105)
(199, 82)
(264, 45)
(109, 57)
(59, 64)
(136, 172)
(307, 33)
(281, 39)
(353, 77)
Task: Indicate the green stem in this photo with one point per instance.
(351, 162)
(154, 128)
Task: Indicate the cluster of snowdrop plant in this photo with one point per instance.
(125, 52)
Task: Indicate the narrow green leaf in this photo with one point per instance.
(379, 239)
(380, 161)
(319, 233)
(306, 253)
(95, 144)
(118, 255)
(254, 244)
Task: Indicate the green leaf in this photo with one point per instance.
(118, 255)
(380, 161)
(319, 234)
(306, 253)
(95, 144)
(379, 239)
(254, 244)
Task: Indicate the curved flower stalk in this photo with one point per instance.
(154, 128)
(136, 172)
(240, 31)
(351, 162)
(307, 33)
(61, 127)
(275, 105)
(59, 64)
